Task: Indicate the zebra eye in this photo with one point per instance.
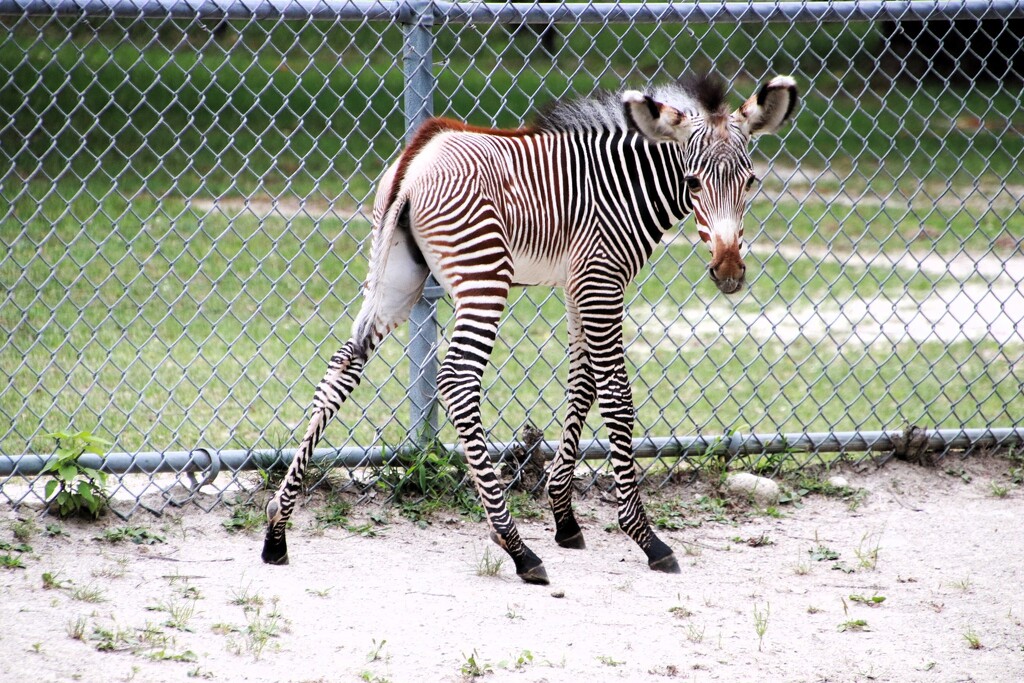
(692, 183)
(752, 182)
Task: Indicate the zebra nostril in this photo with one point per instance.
(713, 274)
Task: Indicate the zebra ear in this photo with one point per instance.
(652, 119)
(771, 107)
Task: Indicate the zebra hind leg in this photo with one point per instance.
(397, 275)
(459, 384)
(343, 374)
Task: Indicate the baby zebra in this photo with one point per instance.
(577, 200)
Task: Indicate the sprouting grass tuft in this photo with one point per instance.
(75, 628)
(973, 641)
(489, 564)
(88, 593)
(246, 598)
(761, 623)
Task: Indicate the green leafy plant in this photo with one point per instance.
(11, 562)
(139, 535)
(333, 514)
(854, 625)
(432, 476)
(245, 518)
(52, 581)
(76, 489)
(873, 601)
(472, 668)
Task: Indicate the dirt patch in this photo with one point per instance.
(900, 585)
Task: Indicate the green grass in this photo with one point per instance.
(141, 310)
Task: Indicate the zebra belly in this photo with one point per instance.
(538, 270)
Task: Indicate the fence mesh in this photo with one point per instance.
(184, 221)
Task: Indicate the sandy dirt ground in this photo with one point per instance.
(918, 578)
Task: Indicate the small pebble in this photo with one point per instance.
(558, 594)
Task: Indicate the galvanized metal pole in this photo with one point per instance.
(419, 94)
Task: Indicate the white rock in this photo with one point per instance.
(760, 490)
(838, 481)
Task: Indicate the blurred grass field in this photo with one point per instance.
(184, 233)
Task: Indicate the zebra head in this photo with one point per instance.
(717, 175)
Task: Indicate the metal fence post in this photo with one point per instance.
(419, 92)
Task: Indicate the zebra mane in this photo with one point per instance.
(703, 93)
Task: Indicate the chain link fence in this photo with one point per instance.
(184, 222)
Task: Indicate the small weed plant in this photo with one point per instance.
(76, 489)
(244, 597)
(973, 641)
(473, 668)
(88, 593)
(998, 489)
(138, 535)
(52, 581)
(517, 662)
(873, 601)
(523, 506)
(25, 529)
(853, 625)
(429, 479)
(489, 564)
(823, 553)
(75, 628)
(244, 517)
(11, 562)
(761, 623)
(333, 514)
(375, 651)
(867, 551)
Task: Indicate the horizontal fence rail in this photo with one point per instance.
(184, 205)
(522, 12)
(213, 463)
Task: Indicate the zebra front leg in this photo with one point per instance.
(343, 374)
(601, 316)
(616, 403)
(582, 392)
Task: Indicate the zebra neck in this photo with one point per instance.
(641, 179)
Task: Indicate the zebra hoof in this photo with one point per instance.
(536, 575)
(275, 551)
(575, 541)
(529, 568)
(666, 564)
